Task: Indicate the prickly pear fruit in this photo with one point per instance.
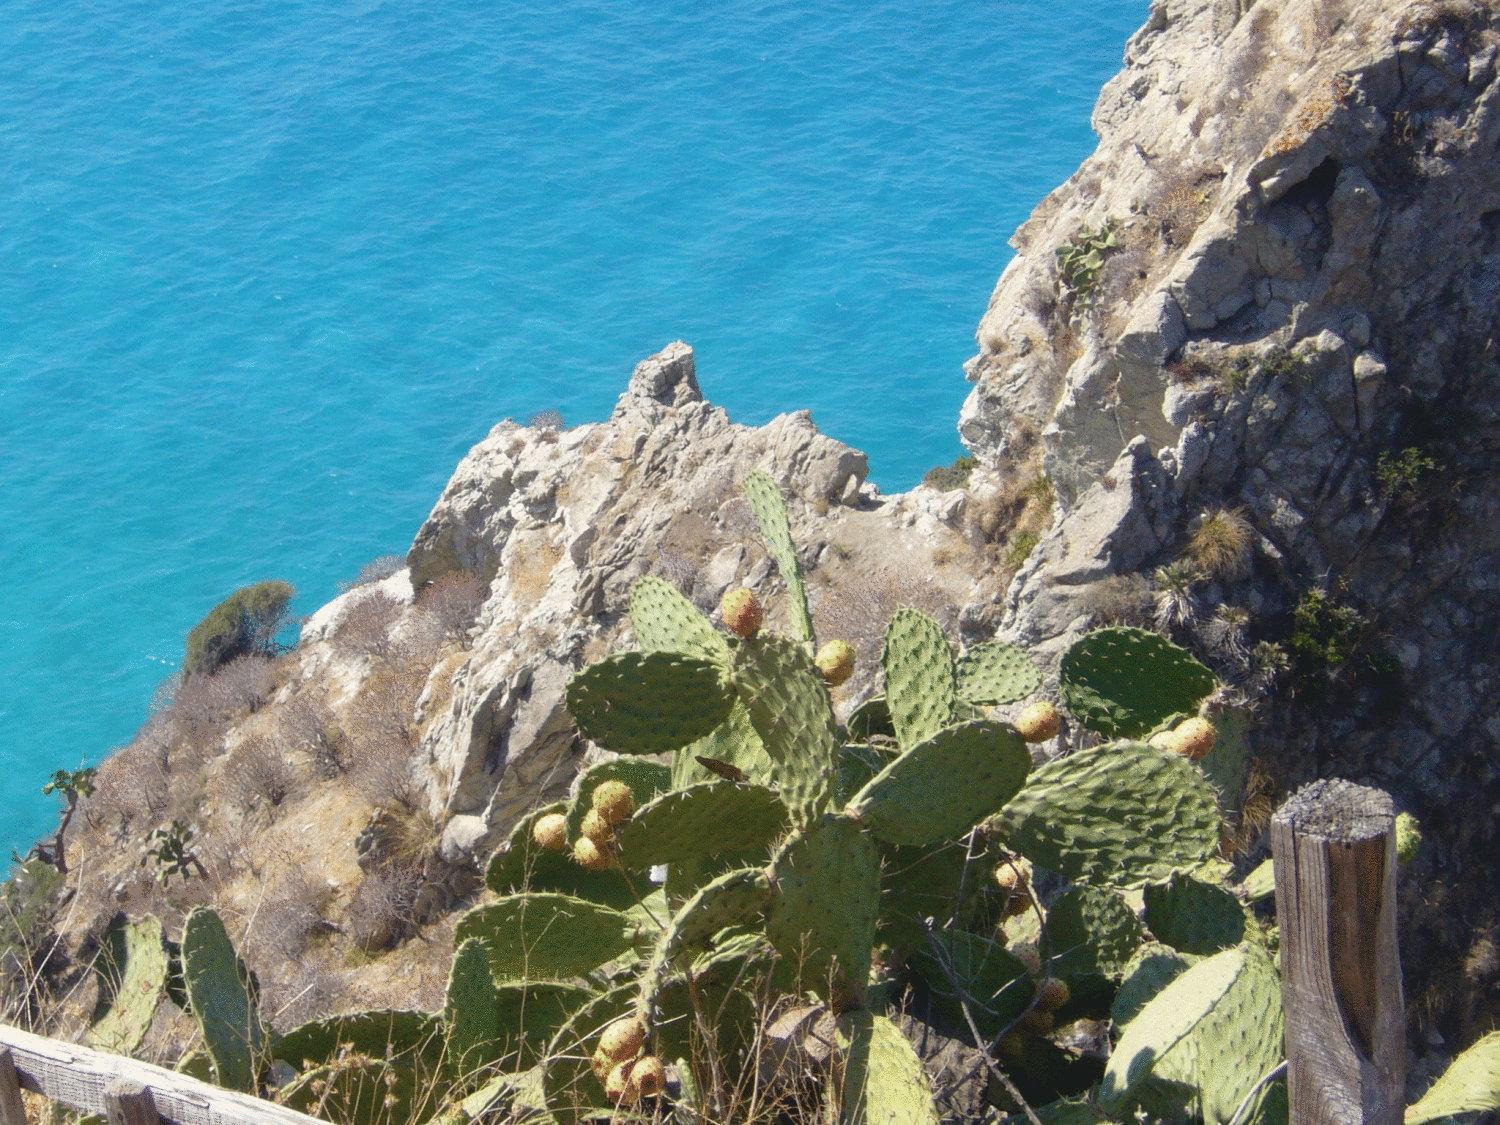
(1408, 837)
(597, 829)
(590, 856)
(602, 1064)
(1013, 874)
(551, 832)
(623, 1039)
(741, 612)
(617, 1085)
(1038, 722)
(646, 1078)
(1193, 738)
(614, 801)
(1053, 994)
(1038, 1021)
(835, 661)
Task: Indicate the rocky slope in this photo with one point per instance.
(1270, 296)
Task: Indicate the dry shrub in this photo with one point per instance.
(382, 909)
(367, 626)
(452, 603)
(1220, 544)
(205, 705)
(131, 790)
(257, 774)
(1121, 599)
(294, 909)
(376, 570)
(304, 726)
(380, 734)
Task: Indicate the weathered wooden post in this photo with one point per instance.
(1334, 845)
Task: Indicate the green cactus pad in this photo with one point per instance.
(1193, 916)
(942, 787)
(1165, 1026)
(921, 883)
(647, 781)
(1240, 1041)
(359, 1091)
(391, 1033)
(1153, 967)
(790, 711)
(1122, 815)
(1260, 884)
(1092, 933)
(567, 1080)
(733, 898)
(519, 865)
(665, 621)
(826, 895)
(769, 507)
(994, 673)
(222, 999)
(648, 702)
(473, 1033)
(884, 1081)
(733, 742)
(921, 681)
(871, 719)
(1471, 1084)
(1066, 1112)
(963, 967)
(132, 973)
(858, 765)
(546, 936)
(1122, 682)
(710, 818)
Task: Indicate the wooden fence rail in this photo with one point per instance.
(123, 1090)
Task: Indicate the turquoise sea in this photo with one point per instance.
(267, 269)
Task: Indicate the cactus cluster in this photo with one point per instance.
(740, 845)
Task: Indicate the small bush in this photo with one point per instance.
(1121, 599)
(368, 624)
(382, 909)
(1401, 474)
(1220, 544)
(547, 420)
(1019, 549)
(1325, 635)
(1081, 258)
(376, 570)
(946, 478)
(245, 622)
(28, 936)
(304, 726)
(453, 603)
(257, 775)
(205, 704)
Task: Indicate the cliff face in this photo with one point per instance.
(1271, 293)
(1290, 314)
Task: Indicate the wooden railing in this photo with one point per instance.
(123, 1090)
(1333, 845)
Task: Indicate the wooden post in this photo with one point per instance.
(1334, 847)
(12, 1107)
(129, 1103)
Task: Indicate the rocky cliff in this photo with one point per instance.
(1239, 381)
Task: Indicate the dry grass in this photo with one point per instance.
(368, 625)
(257, 775)
(1220, 544)
(205, 705)
(452, 602)
(1121, 599)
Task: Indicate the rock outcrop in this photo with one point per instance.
(1289, 313)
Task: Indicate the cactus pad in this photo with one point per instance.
(921, 883)
(732, 898)
(1123, 682)
(710, 818)
(769, 507)
(647, 780)
(222, 998)
(546, 936)
(994, 673)
(1471, 1084)
(789, 708)
(826, 894)
(1240, 1040)
(520, 865)
(648, 702)
(383, 1034)
(665, 621)
(942, 787)
(884, 1081)
(132, 974)
(1092, 932)
(1153, 967)
(1193, 916)
(473, 1033)
(870, 719)
(358, 1090)
(994, 983)
(921, 682)
(1122, 815)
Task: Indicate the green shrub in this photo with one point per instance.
(245, 622)
(1081, 258)
(1326, 635)
(1401, 474)
(945, 478)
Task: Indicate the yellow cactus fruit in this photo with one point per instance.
(1038, 1021)
(1052, 994)
(602, 1064)
(1013, 875)
(1038, 722)
(646, 1078)
(623, 1039)
(597, 829)
(835, 661)
(613, 800)
(551, 832)
(590, 856)
(617, 1086)
(741, 612)
(1194, 738)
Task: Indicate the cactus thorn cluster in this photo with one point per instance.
(835, 661)
(741, 611)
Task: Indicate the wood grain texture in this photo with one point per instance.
(81, 1078)
(129, 1103)
(12, 1107)
(1334, 849)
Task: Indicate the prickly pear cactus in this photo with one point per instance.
(1193, 916)
(1093, 934)
(706, 819)
(390, 1033)
(995, 673)
(959, 966)
(1471, 1084)
(1153, 967)
(1125, 682)
(542, 935)
(648, 702)
(769, 507)
(473, 1034)
(665, 621)
(789, 708)
(1122, 815)
(132, 974)
(884, 1081)
(223, 1002)
(921, 681)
